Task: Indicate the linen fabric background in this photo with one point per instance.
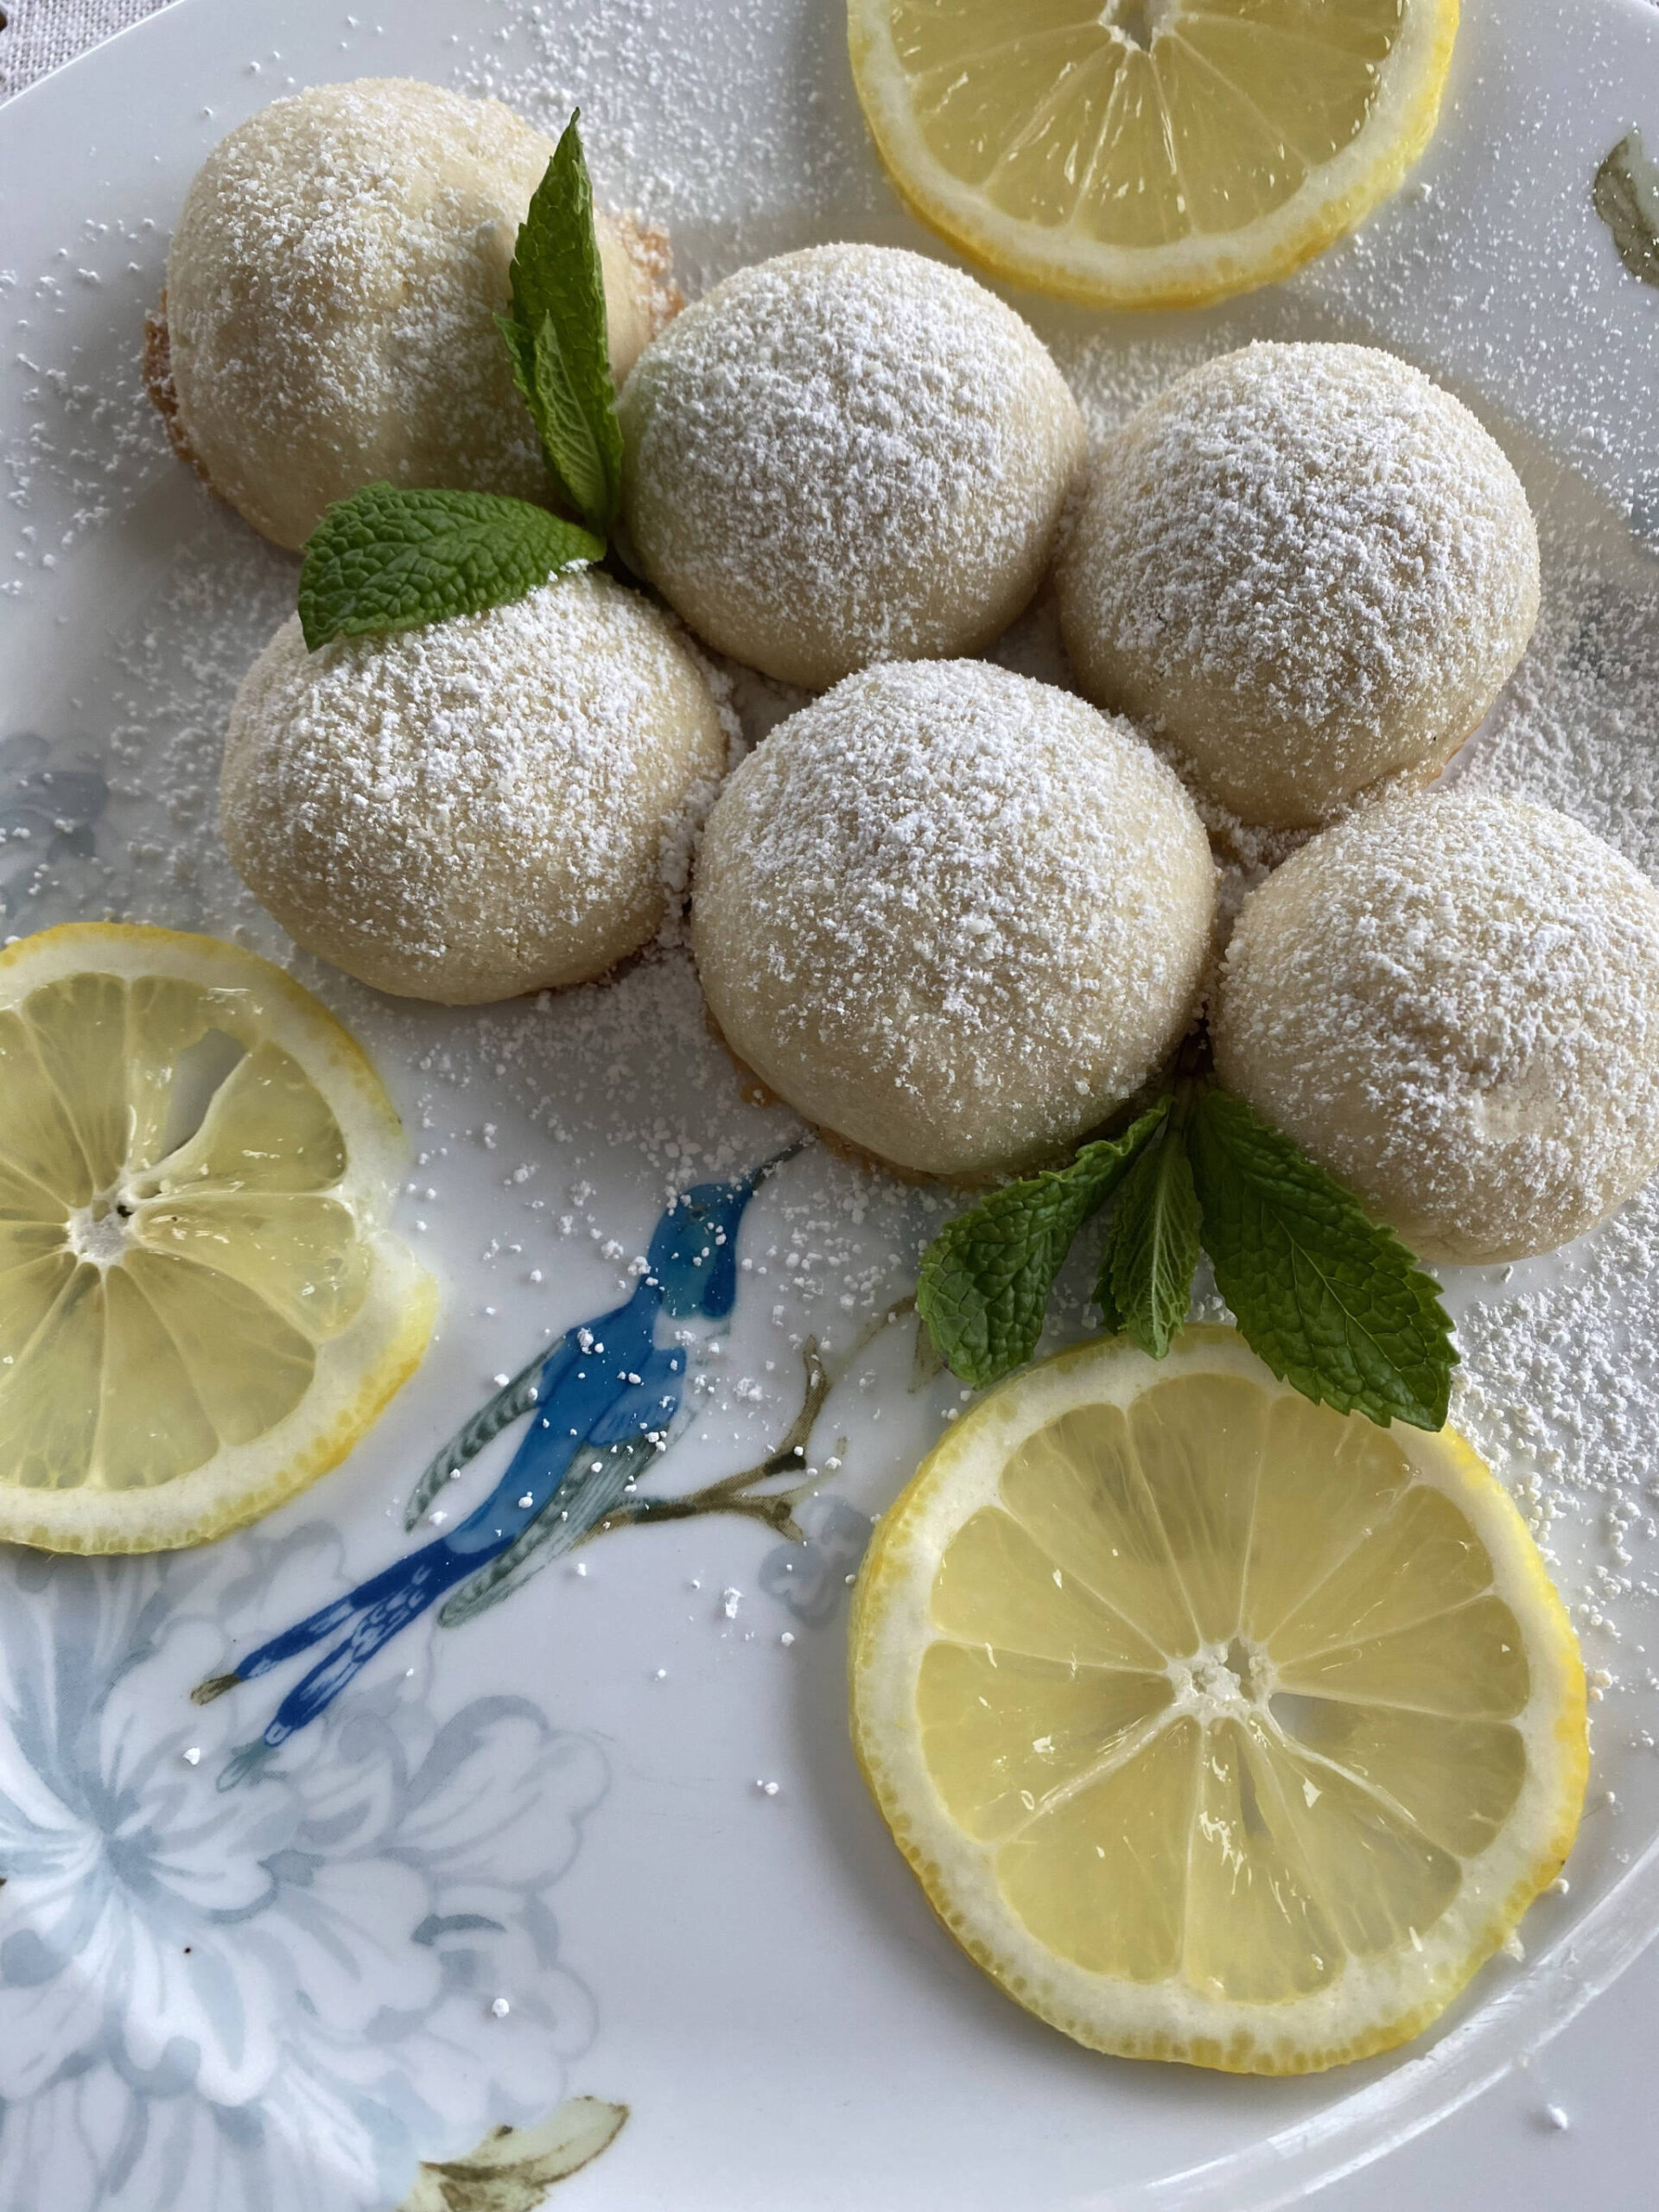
(42, 34)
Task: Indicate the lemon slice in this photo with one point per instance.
(200, 1307)
(1217, 1725)
(1148, 153)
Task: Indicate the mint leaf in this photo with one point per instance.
(521, 351)
(1146, 1273)
(557, 338)
(1330, 1300)
(568, 435)
(390, 560)
(986, 1277)
(543, 382)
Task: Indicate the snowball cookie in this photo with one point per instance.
(331, 298)
(1452, 1001)
(1307, 568)
(952, 914)
(846, 456)
(478, 808)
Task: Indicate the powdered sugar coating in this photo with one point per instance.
(479, 807)
(331, 295)
(847, 454)
(1309, 568)
(1452, 1001)
(952, 914)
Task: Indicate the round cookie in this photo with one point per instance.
(953, 915)
(1306, 569)
(845, 456)
(1452, 1001)
(332, 290)
(478, 808)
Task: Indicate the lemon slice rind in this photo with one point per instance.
(357, 1370)
(1375, 2004)
(1335, 195)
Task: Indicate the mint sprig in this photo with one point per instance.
(986, 1277)
(558, 338)
(387, 559)
(1152, 1248)
(1329, 1300)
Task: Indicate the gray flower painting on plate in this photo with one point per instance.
(271, 1988)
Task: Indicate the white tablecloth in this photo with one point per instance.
(40, 35)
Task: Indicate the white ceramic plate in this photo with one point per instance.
(287, 1991)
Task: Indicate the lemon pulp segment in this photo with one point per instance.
(1217, 1726)
(1148, 152)
(198, 1307)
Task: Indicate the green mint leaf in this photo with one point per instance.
(574, 460)
(568, 435)
(1332, 1301)
(1146, 1273)
(986, 1277)
(390, 560)
(521, 351)
(557, 338)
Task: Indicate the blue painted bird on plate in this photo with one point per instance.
(604, 1400)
